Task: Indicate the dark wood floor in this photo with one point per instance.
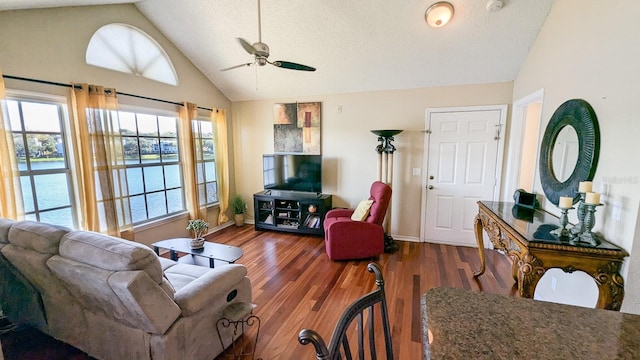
(296, 286)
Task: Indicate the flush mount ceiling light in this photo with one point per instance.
(439, 14)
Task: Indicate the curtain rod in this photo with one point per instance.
(78, 87)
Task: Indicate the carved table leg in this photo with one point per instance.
(480, 241)
(530, 272)
(515, 267)
(610, 287)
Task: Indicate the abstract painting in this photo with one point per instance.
(296, 128)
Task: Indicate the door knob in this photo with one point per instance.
(430, 187)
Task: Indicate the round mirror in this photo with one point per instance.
(564, 155)
(577, 116)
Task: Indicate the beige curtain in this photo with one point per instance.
(191, 157)
(100, 164)
(219, 119)
(11, 206)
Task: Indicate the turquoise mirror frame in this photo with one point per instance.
(578, 114)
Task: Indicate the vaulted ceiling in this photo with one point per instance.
(356, 45)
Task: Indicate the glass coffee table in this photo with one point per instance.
(211, 251)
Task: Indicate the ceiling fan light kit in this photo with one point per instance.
(260, 52)
(439, 14)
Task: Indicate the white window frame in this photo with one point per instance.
(157, 113)
(62, 104)
(213, 161)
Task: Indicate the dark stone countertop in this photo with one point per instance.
(466, 324)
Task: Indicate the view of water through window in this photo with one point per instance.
(152, 158)
(52, 191)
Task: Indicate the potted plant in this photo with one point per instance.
(198, 227)
(238, 207)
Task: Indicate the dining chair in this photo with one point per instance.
(340, 345)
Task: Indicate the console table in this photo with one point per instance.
(524, 235)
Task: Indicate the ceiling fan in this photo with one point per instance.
(260, 52)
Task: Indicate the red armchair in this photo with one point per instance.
(348, 239)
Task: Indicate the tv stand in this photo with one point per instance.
(291, 211)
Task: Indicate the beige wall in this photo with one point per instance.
(50, 44)
(588, 53)
(348, 146)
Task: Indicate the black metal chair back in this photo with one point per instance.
(339, 345)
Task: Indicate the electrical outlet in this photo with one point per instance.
(339, 109)
(417, 171)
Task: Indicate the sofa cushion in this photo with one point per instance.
(166, 263)
(5, 225)
(33, 235)
(182, 274)
(110, 253)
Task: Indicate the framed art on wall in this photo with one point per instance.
(296, 128)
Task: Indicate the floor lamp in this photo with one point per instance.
(385, 150)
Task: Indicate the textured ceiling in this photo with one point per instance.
(356, 45)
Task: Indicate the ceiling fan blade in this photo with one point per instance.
(292, 66)
(238, 66)
(247, 47)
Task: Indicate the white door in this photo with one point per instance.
(464, 159)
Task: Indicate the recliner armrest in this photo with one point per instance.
(356, 229)
(334, 213)
(198, 293)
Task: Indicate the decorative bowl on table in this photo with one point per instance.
(386, 133)
(196, 244)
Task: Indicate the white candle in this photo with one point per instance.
(592, 198)
(566, 202)
(585, 186)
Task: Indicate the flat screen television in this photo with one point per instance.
(294, 172)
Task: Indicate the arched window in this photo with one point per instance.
(127, 49)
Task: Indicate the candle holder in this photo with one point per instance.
(578, 228)
(589, 221)
(564, 220)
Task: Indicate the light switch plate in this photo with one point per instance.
(616, 210)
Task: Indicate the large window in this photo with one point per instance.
(206, 180)
(154, 172)
(150, 142)
(41, 150)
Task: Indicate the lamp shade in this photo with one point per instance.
(439, 14)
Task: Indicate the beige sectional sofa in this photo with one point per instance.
(113, 298)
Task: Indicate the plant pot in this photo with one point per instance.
(197, 243)
(239, 218)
